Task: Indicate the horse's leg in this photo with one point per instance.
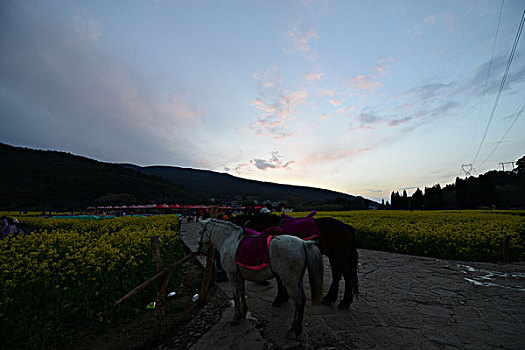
(350, 267)
(351, 284)
(296, 292)
(282, 295)
(331, 296)
(244, 308)
(238, 297)
(348, 297)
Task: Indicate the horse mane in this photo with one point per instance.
(226, 223)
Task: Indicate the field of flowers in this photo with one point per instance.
(460, 235)
(66, 272)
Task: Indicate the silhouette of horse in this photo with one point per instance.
(288, 256)
(336, 240)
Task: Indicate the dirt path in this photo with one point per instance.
(406, 302)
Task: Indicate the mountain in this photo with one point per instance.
(44, 180)
(53, 180)
(227, 188)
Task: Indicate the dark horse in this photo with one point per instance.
(336, 241)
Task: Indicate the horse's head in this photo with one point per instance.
(204, 242)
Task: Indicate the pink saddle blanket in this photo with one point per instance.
(253, 250)
(304, 228)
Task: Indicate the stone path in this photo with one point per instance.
(406, 302)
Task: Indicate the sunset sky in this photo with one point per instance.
(362, 97)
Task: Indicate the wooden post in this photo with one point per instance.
(207, 276)
(155, 278)
(506, 249)
(160, 302)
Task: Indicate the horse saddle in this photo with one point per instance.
(253, 249)
(304, 228)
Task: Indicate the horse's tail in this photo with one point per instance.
(314, 262)
(354, 262)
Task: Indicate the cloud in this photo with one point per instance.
(409, 188)
(335, 102)
(433, 100)
(56, 78)
(275, 162)
(371, 190)
(331, 155)
(178, 108)
(366, 84)
(475, 83)
(447, 20)
(323, 116)
(301, 40)
(311, 77)
(477, 7)
(275, 106)
(87, 29)
(327, 92)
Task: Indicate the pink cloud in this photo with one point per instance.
(275, 106)
(301, 39)
(311, 77)
(327, 92)
(333, 155)
(345, 111)
(323, 116)
(335, 102)
(370, 83)
(178, 108)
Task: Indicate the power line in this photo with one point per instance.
(509, 62)
(488, 72)
(516, 117)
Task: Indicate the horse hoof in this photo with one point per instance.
(343, 305)
(326, 302)
(277, 303)
(291, 335)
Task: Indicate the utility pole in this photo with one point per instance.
(506, 163)
(467, 169)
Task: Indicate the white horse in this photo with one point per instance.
(289, 258)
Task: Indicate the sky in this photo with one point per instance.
(360, 97)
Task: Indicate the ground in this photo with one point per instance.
(186, 321)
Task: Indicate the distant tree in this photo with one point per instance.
(520, 166)
(395, 199)
(433, 197)
(404, 200)
(417, 200)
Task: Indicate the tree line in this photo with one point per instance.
(494, 189)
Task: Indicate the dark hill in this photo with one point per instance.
(36, 179)
(226, 188)
(42, 180)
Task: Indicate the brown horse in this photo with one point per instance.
(336, 241)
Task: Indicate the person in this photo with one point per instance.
(8, 226)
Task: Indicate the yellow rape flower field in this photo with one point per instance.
(67, 271)
(475, 235)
